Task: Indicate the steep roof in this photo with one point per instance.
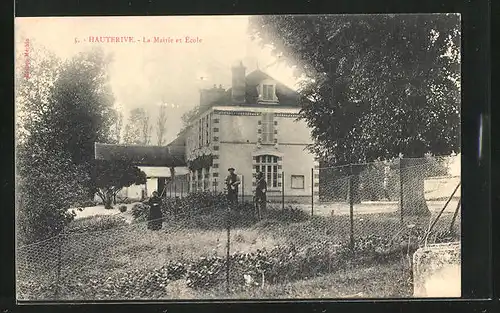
(286, 96)
(170, 155)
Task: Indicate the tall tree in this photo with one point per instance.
(138, 129)
(84, 100)
(52, 127)
(84, 108)
(161, 124)
(376, 86)
(116, 131)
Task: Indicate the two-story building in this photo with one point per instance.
(252, 127)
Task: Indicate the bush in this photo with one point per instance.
(195, 203)
(123, 208)
(208, 210)
(47, 186)
(288, 214)
(87, 203)
(96, 223)
(140, 211)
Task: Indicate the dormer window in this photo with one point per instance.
(267, 91)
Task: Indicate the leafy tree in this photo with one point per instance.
(189, 116)
(138, 129)
(83, 109)
(116, 130)
(111, 176)
(36, 74)
(375, 87)
(48, 183)
(61, 110)
(161, 124)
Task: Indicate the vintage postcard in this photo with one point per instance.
(238, 157)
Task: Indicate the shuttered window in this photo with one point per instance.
(268, 92)
(268, 128)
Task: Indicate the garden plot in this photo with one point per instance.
(121, 261)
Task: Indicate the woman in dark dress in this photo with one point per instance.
(260, 194)
(155, 216)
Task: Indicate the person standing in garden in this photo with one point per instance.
(232, 183)
(155, 221)
(260, 194)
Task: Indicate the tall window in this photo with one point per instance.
(268, 128)
(268, 92)
(207, 129)
(200, 134)
(268, 164)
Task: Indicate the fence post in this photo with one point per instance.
(401, 189)
(351, 209)
(170, 189)
(312, 191)
(283, 190)
(175, 190)
(228, 245)
(242, 188)
(182, 188)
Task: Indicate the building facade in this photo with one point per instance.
(252, 127)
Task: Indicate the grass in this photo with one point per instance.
(391, 280)
(119, 250)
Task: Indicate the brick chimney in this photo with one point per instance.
(238, 84)
(209, 96)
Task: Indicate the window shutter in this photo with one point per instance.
(268, 128)
(271, 127)
(265, 128)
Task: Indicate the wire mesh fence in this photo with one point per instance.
(208, 247)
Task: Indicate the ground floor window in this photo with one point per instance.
(268, 164)
(297, 181)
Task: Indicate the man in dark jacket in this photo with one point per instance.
(155, 215)
(232, 183)
(260, 194)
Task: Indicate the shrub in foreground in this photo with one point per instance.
(140, 211)
(96, 223)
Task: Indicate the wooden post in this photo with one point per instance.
(283, 190)
(351, 209)
(228, 245)
(455, 214)
(182, 187)
(312, 191)
(242, 188)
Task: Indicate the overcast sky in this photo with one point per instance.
(144, 74)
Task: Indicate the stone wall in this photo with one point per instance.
(437, 271)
